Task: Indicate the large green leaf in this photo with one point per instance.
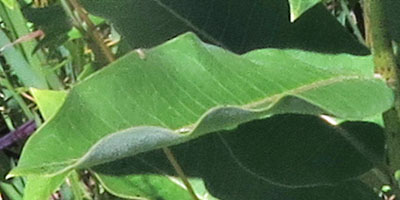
(237, 25)
(184, 89)
(41, 187)
(283, 157)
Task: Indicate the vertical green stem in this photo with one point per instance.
(381, 43)
(28, 113)
(385, 64)
(352, 22)
(24, 107)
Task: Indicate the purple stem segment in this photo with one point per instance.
(20, 133)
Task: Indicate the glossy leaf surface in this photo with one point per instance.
(183, 91)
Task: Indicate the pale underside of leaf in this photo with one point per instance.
(204, 158)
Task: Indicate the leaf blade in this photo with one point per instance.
(208, 101)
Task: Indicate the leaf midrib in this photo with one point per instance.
(304, 88)
(256, 106)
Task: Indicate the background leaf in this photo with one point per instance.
(29, 76)
(55, 27)
(393, 18)
(283, 157)
(239, 26)
(41, 187)
(147, 187)
(9, 3)
(37, 68)
(48, 101)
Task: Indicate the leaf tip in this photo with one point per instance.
(17, 171)
(10, 175)
(293, 17)
(299, 7)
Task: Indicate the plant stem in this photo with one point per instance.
(385, 64)
(93, 32)
(180, 172)
(27, 112)
(7, 84)
(351, 21)
(367, 23)
(93, 37)
(381, 43)
(76, 23)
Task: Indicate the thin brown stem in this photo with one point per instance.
(180, 172)
(367, 23)
(93, 32)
